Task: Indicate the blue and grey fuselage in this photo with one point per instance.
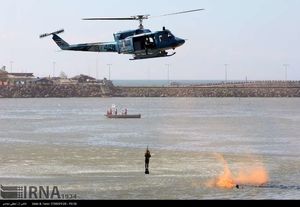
(141, 43)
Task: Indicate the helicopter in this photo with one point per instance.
(141, 43)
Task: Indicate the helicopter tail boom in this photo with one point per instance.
(86, 47)
(94, 47)
(60, 42)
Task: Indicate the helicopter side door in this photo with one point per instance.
(144, 43)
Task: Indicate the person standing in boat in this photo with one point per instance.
(125, 112)
(147, 160)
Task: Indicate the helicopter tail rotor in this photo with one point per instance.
(58, 40)
(53, 33)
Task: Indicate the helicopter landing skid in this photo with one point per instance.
(151, 56)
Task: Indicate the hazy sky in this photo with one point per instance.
(255, 37)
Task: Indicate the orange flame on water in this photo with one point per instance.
(256, 175)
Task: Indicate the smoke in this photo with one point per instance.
(255, 175)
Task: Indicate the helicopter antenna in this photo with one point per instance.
(140, 18)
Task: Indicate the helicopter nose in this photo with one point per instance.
(180, 41)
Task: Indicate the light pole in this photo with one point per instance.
(53, 72)
(168, 75)
(286, 66)
(97, 73)
(109, 65)
(226, 66)
(11, 66)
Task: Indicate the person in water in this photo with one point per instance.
(147, 160)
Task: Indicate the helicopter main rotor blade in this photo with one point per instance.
(183, 12)
(111, 18)
(140, 17)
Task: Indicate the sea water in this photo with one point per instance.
(69, 143)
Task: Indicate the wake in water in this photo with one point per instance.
(281, 187)
(255, 175)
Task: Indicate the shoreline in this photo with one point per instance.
(278, 89)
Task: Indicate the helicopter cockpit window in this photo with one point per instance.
(165, 36)
(170, 36)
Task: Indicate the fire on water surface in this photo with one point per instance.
(255, 175)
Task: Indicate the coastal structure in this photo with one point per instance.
(84, 79)
(25, 85)
(45, 88)
(11, 79)
(249, 89)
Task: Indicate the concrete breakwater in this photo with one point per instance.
(64, 91)
(229, 89)
(208, 91)
(278, 89)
